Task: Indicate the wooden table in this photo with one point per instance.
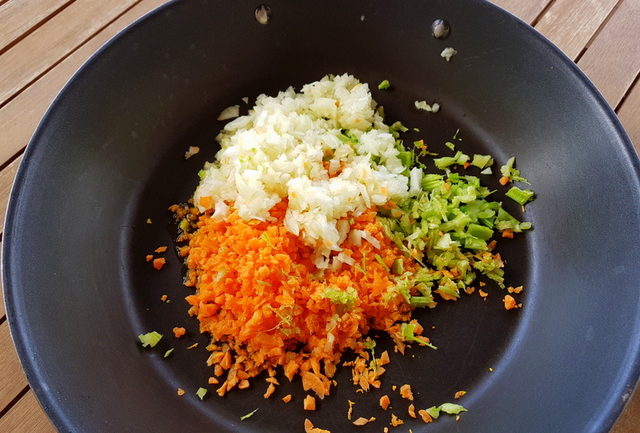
(42, 42)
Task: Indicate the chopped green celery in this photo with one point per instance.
(249, 415)
(398, 267)
(453, 177)
(381, 261)
(408, 330)
(150, 339)
(398, 126)
(505, 221)
(420, 301)
(343, 138)
(433, 412)
(202, 174)
(482, 161)
(461, 158)
(406, 158)
(512, 173)
(457, 223)
(184, 225)
(384, 84)
(451, 408)
(432, 181)
(479, 231)
(447, 286)
(487, 171)
(346, 298)
(201, 392)
(476, 244)
(450, 145)
(490, 267)
(403, 287)
(445, 242)
(520, 196)
(444, 162)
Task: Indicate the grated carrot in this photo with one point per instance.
(179, 331)
(159, 263)
(405, 392)
(149, 257)
(258, 298)
(385, 402)
(161, 249)
(287, 398)
(309, 403)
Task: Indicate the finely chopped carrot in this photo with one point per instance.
(258, 298)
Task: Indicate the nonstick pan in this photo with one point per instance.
(109, 155)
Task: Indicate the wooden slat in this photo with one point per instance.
(19, 118)
(629, 114)
(12, 378)
(570, 24)
(59, 36)
(527, 10)
(18, 17)
(2, 311)
(6, 181)
(26, 417)
(629, 420)
(612, 61)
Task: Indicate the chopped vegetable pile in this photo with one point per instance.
(315, 225)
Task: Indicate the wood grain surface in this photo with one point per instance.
(43, 42)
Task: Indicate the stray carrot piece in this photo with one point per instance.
(466, 164)
(287, 398)
(270, 390)
(161, 249)
(159, 263)
(426, 418)
(364, 421)
(405, 392)
(309, 403)
(384, 358)
(507, 233)
(469, 290)
(491, 245)
(149, 257)
(483, 293)
(244, 384)
(206, 202)
(180, 392)
(518, 289)
(385, 402)
(459, 394)
(509, 302)
(350, 410)
(179, 331)
(504, 180)
(482, 284)
(193, 346)
(213, 381)
(395, 421)
(411, 410)
(309, 428)
(163, 298)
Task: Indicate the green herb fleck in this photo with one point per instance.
(168, 352)
(150, 339)
(384, 84)
(249, 415)
(201, 392)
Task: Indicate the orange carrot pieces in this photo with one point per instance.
(405, 392)
(309, 403)
(161, 249)
(179, 331)
(395, 421)
(507, 233)
(412, 411)
(504, 180)
(510, 302)
(385, 402)
(180, 392)
(363, 421)
(213, 381)
(287, 398)
(309, 428)
(159, 263)
(459, 394)
(426, 418)
(270, 390)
